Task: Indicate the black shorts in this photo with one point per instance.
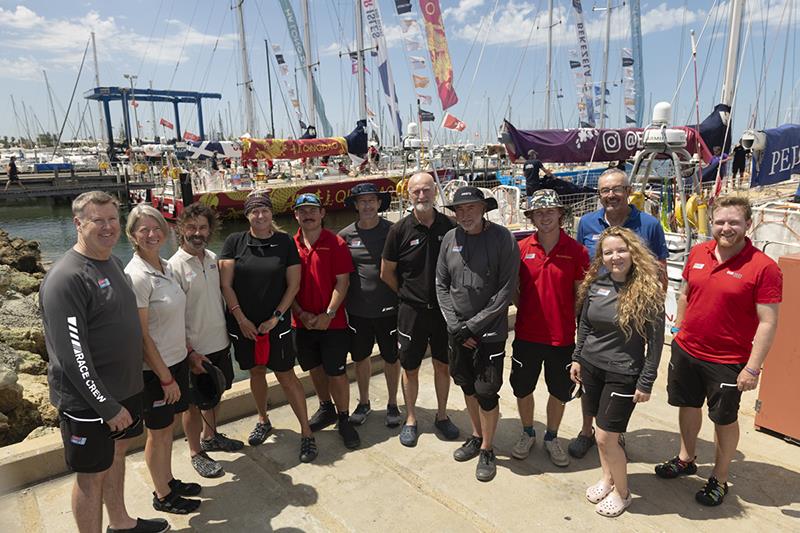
(327, 348)
(88, 446)
(157, 414)
(691, 381)
(416, 328)
(608, 397)
(368, 331)
(478, 371)
(526, 365)
(281, 348)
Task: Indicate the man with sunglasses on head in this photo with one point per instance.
(614, 188)
(94, 343)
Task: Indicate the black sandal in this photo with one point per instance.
(174, 503)
(184, 489)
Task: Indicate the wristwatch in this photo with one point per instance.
(277, 314)
(331, 313)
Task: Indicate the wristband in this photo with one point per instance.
(168, 383)
(235, 307)
(754, 373)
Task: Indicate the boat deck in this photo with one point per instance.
(384, 486)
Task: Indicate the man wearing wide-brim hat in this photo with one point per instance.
(371, 304)
(476, 278)
(552, 265)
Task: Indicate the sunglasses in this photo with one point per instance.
(124, 433)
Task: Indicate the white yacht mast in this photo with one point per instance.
(247, 81)
(50, 97)
(731, 61)
(309, 63)
(97, 84)
(605, 67)
(362, 86)
(549, 63)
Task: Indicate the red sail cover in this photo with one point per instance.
(587, 144)
(440, 55)
(292, 149)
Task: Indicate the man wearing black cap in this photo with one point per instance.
(371, 304)
(476, 277)
(409, 268)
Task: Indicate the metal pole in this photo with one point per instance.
(309, 63)
(97, 83)
(247, 81)
(729, 85)
(605, 67)
(269, 86)
(362, 82)
(132, 78)
(153, 113)
(549, 62)
(50, 96)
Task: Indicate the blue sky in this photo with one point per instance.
(192, 45)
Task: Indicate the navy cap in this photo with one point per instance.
(369, 188)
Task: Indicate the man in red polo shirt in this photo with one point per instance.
(552, 265)
(318, 316)
(726, 320)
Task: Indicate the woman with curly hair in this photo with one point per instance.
(618, 348)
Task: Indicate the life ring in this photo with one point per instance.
(104, 165)
(401, 187)
(691, 211)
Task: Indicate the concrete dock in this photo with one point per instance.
(386, 487)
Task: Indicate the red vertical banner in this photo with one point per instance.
(440, 55)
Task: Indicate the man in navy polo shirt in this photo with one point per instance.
(614, 189)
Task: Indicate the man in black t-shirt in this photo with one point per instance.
(409, 268)
(739, 161)
(13, 174)
(531, 170)
(371, 304)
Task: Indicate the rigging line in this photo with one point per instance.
(766, 69)
(521, 61)
(794, 50)
(689, 62)
(480, 56)
(163, 37)
(71, 98)
(205, 32)
(204, 80)
(150, 38)
(711, 54)
(680, 53)
(469, 53)
(180, 52)
(783, 70)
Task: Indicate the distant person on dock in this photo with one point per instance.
(408, 267)
(614, 188)
(162, 314)
(617, 352)
(552, 266)
(532, 169)
(260, 276)
(726, 321)
(196, 269)
(94, 343)
(13, 175)
(371, 304)
(476, 278)
(740, 154)
(319, 319)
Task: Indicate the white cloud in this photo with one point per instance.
(23, 68)
(462, 10)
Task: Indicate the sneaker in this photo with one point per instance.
(349, 434)
(580, 445)
(487, 467)
(259, 433)
(469, 450)
(409, 436)
(393, 416)
(184, 489)
(324, 417)
(308, 449)
(523, 446)
(361, 413)
(557, 454)
(206, 466)
(675, 467)
(154, 525)
(220, 443)
(712, 493)
(174, 503)
(448, 430)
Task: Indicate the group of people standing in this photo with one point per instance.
(126, 346)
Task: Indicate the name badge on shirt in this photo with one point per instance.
(457, 248)
(596, 237)
(356, 243)
(530, 256)
(413, 242)
(698, 266)
(212, 266)
(156, 282)
(103, 283)
(603, 292)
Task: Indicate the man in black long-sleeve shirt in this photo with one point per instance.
(476, 277)
(94, 343)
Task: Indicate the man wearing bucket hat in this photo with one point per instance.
(371, 304)
(476, 278)
(318, 316)
(552, 265)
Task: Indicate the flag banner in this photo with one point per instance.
(420, 82)
(354, 63)
(295, 34)
(284, 70)
(166, 123)
(410, 25)
(426, 116)
(781, 157)
(425, 99)
(585, 102)
(411, 45)
(439, 52)
(402, 6)
(207, 149)
(189, 136)
(272, 149)
(628, 86)
(586, 144)
(372, 15)
(417, 63)
(452, 123)
(585, 62)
